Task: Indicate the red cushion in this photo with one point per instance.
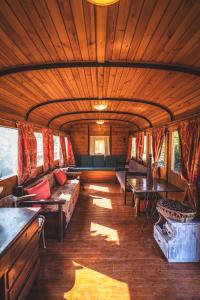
(42, 190)
(60, 176)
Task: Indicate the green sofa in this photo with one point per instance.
(99, 162)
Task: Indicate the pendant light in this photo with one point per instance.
(103, 2)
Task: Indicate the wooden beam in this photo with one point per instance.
(95, 119)
(108, 64)
(148, 102)
(95, 111)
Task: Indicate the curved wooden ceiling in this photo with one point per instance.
(58, 57)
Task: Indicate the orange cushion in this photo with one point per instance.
(60, 176)
(42, 190)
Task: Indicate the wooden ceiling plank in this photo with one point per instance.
(134, 14)
(153, 24)
(56, 17)
(171, 29)
(13, 28)
(191, 22)
(111, 24)
(141, 26)
(151, 51)
(124, 8)
(29, 27)
(89, 13)
(101, 29)
(78, 14)
(48, 24)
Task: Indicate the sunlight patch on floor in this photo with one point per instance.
(102, 202)
(92, 285)
(98, 188)
(110, 235)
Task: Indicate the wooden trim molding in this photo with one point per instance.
(95, 111)
(107, 64)
(147, 102)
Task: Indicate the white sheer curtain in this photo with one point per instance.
(99, 145)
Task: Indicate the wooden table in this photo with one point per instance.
(140, 187)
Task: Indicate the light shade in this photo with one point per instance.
(103, 2)
(100, 106)
(1, 189)
(100, 122)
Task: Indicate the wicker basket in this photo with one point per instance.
(175, 214)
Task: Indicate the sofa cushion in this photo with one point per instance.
(98, 161)
(110, 161)
(86, 161)
(121, 160)
(60, 176)
(41, 189)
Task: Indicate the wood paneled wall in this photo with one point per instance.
(118, 137)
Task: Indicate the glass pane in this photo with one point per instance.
(8, 151)
(144, 156)
(99, 146)
(133, 150)
(175, 152)
(56, 147)
(161, 161)
(39, 139)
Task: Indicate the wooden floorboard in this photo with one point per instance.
(106, 256)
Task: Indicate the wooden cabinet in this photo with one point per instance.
(180, 242)
(19, 252)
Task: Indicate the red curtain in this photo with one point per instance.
(27, 154)
(70, 154)
(189, 133)
(139, 145)
(48, 148)
(63, 157)
(129, 148)
(158, 136)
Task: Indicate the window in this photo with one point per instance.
(8, 151)
(133, 149)
(175, 152)
(144, 156)
(40, 160)
(161, 162)
(99, 145)
(56, 147)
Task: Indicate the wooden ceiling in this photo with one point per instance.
(141, 57)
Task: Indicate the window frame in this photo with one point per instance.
(15, 174)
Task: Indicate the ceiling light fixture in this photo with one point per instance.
(103, 2)
(100, 122)
(100, 106)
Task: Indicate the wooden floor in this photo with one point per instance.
(106, 256)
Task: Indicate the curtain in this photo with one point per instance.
(63, 157)
(48, 148)
(27, 154)
(128, 157)
(158, 136)
(104, 148)
(189, 134)
(70, 153)
(139, 145)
